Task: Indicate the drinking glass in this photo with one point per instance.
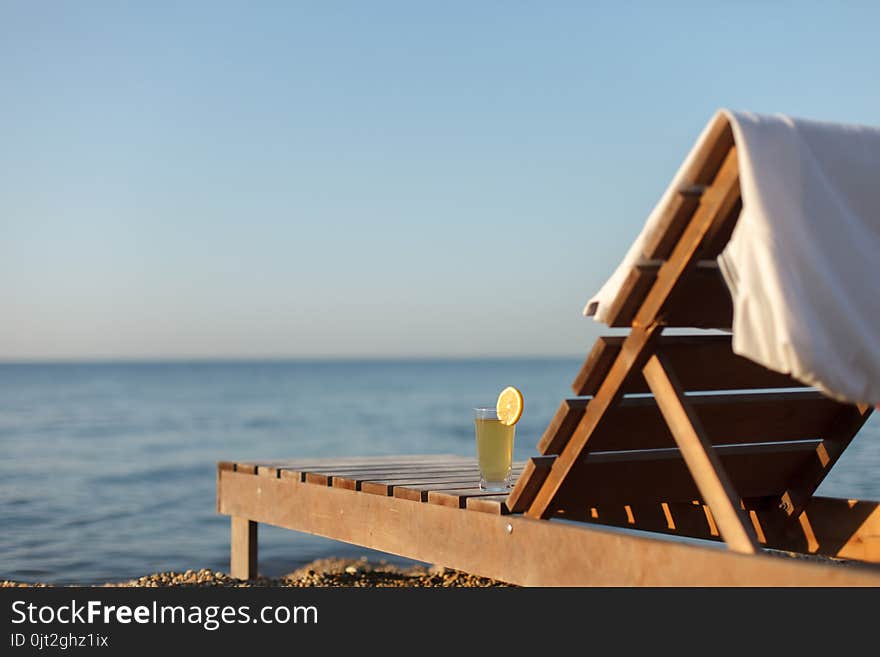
(494, 449)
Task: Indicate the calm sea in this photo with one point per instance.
(108, 470)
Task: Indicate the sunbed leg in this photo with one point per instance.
(243, 549)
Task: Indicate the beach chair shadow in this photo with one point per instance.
(667, 437)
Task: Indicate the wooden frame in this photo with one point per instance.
(739, 463)
(512, 548)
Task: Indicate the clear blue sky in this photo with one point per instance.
(366, 178)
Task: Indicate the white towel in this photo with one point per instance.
(803, 263)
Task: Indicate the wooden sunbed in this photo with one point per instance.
(676, 462)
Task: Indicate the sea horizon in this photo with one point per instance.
(365, 358)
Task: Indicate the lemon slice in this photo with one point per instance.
(509, 406)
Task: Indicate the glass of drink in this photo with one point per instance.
(494, 449)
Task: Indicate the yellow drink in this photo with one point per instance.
(494, 452)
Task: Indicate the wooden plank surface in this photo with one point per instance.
(846, 529)
(425, 481)
(514, 548)
(662, 475)
(419, 492)
(715, 307)
(342, 469)
(350, 460)
(839, 433)
(347, 476)
(457, 497)
(753, 417)
(494, 504)
(276, 467)
(324, 473)
(701, 362)
(387, 487)
(703, 281)
(849, 529)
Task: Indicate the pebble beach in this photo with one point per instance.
(321, 573)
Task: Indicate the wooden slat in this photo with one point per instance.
(439, 466)
(663, 476)
(387, 487)
(274, 468)
(324, 476)
(352, 460)
(680, 208)
(719, 234)
(715, 204)
(531, 552)
(632, 293)
(715, 306)
(701, 362)
(494, 504)
(694, 191)
(394, 467)
(597, 365)
(703, 463)
(837, 436)
(703, 282)
(527, 485)
(847, 529)
(350, 478)
(707, 362)
(293, 475)
(690, 519)
(754, 451)
(456, 461)
(636, 422)
(420, 492)
(562, 425)
(457, 497)
(727, 418)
